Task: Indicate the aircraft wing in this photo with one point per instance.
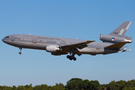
(76, 45)
(116, 45)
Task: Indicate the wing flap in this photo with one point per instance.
(116, 45)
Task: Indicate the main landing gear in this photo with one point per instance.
(71, 57)
(20, 51)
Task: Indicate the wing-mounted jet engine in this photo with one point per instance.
(55, 50)
(52, 48)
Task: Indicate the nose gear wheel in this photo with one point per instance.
(20, 51)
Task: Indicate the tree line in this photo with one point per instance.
(78, 84)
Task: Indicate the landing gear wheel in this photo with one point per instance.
(68, 56)
(20, 53)
(71, 57)
(74, 58)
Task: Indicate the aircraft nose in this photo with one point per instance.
(3, 40)
(6, 39)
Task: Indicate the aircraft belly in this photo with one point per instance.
(30, 45)
(91, 51)
(16, 43)
(23, 44)
(37, 45)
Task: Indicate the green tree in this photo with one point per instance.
(121, 84)
(41, 87)
(14, 88)
(95, 85)
(29, 87)
(74, 84)
(86, 85)
(21, 88)
(112, 85)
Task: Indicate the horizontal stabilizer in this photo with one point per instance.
(124, 50)
(116, 45)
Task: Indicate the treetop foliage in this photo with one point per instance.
(78, 84)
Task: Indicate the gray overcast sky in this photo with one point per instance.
(82, 19)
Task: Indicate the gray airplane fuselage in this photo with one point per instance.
(112, 43)
(41, 42)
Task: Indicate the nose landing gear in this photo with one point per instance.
(20, 51)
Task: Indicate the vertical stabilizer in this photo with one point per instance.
(121, 30)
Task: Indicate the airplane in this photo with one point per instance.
(112, 43)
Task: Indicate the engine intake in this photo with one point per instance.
(52, 48)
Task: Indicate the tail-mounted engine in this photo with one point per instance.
(114, 39)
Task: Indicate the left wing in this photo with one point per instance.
(76, 45)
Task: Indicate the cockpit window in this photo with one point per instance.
(7, 37)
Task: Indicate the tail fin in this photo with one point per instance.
(118, 34)
(121, 30)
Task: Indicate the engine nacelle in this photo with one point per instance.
(115, 39)
(52, 48)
